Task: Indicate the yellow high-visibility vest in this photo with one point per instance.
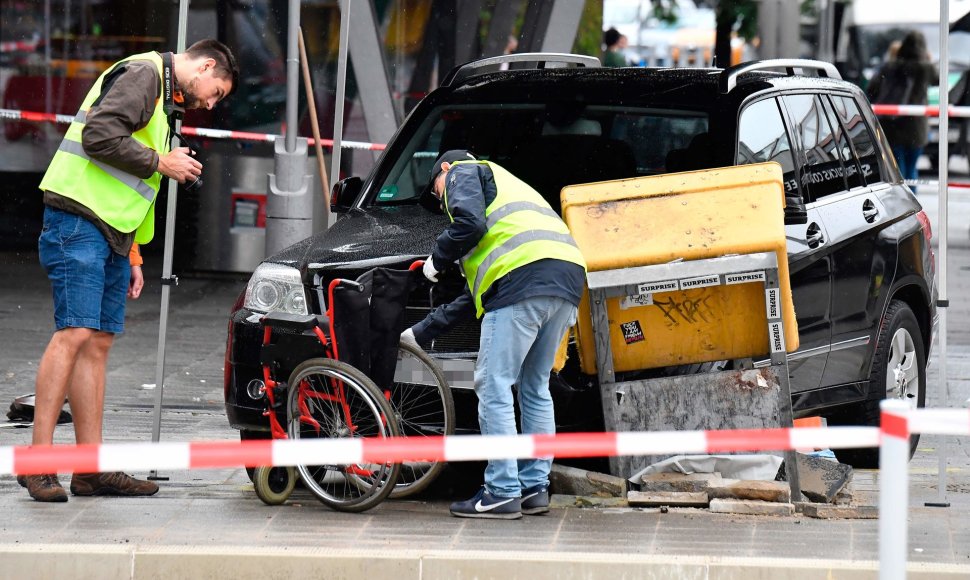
(521, 228)
(124, 201)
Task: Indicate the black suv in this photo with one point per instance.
(862, 270)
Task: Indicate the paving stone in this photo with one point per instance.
(776, 491)
(827, 511)
(671, 498)
(558, 500)
(573, 481)
(670, 481)
(751, 507)
(821, 480)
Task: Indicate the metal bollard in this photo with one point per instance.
(893, 489)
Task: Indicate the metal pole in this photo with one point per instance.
(893, 489)
(944, 171)
(167, 278)
(292, 72)
(289, 206)
(338, 116)
(47, 56)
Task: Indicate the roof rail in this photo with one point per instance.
(468, 70)
(729, 76)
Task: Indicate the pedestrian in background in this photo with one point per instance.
(99, 197)
(615, 43)
(905, 81)
(525, 277)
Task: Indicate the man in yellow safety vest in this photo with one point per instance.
(525, 277)
(99, 193)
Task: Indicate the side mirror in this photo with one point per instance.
(344, 193)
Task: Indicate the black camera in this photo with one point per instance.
(192, 186)
(195, 184)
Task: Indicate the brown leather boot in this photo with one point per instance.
(44, 487)
(111, 483)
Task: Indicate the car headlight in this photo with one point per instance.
(276, 288)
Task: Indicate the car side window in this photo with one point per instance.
(762, 137)
(861, 137)
(853, 175)
(822, 170)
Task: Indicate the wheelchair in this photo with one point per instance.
(356, 381)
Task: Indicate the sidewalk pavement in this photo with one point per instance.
(209, 524)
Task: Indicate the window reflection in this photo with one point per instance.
(860, 136)
(762, 137)
(823, 172)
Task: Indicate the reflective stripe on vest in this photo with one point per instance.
(123, 200)
(132, 181)
(521, 228)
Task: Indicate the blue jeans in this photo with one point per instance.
(906, 158)
(518, 346)
(89, 281)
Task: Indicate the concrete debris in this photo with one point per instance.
(751, 507)
(838, 512)
(668, 498)
(822, 480)
(573, 481)
(670, 481)
(557, 500)
(776, 491)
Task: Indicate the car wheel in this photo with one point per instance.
(245, 435)
(898, 372)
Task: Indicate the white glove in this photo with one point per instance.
(407, 337)
(429, 270)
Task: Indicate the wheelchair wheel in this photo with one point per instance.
(423, 406)
(331, 399)
(274, 484)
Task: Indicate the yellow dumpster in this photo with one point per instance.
(682, 216)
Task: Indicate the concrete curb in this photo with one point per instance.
(106, 562)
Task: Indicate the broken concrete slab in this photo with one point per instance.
(557, 500)
(573, 481)
(820, 479)
(775, 491)
(751, 507)
(671, 481)
(827, 511)
(668, 498)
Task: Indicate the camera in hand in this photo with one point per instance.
(195, 184)
(192, 186)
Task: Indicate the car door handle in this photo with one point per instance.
(813, 235)
(869, 211)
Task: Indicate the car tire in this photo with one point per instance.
(898, 371)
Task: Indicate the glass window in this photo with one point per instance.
(762, 137)
(853, 175)
(822, 170)
(552, 145)
(861, 137)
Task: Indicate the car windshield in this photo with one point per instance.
(551, 145)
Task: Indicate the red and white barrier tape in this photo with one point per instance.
(19, 45)
(936, 182)
(918, 111)
(15, 115)
(223, 454)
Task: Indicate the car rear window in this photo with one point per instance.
(552, 145)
